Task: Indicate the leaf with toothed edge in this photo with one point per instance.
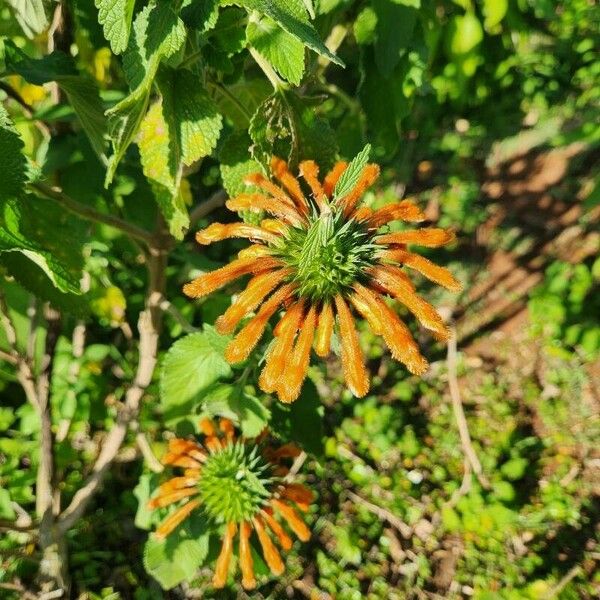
(351, 175)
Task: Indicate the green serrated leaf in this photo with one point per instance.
(200, 14)
(13, 164)
(292, 16)
(191, 365)
(158, 33)
(115, 17)
(286, 125)
(180, 128)
(177, 558)
(163, 167)
(231, 402)
(81, 90)
(34, 227)
(34, 280)
(284, 51)
(351, 175)
(236, 163)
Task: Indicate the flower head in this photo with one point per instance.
(238, 485)
(319, 257)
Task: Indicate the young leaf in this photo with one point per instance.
(352, 174)
(115, 17)
(284, 51)
(190, 366)
(292, 16)
(13, 165)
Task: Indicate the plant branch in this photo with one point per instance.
(267, 69)
(205, 208)
(459, 414)
(12, 93)
(383, 514)
(149, 326)
(89, 213)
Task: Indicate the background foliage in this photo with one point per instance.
(123, 126)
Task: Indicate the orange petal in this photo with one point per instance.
(273, 206)
(284, 539)
(213, 443)
(433, 272)
(222, 566)
(333, 176)
(180, 446)
(226, 426)
(207, 427)
(281, 349)
(396, 334)
(267, 185)
(172, 521)
(297, 525)
(218, 231)
(275, 225)
(371, 315)
(289, 450)
(255, 251)
(353, 363)
(429, 237)
(258, 287)
(324, 330)
(180, 460)
(404, 211)
(298, 493)
(209, 282)
(246, 564)
(270, 552)
(310, 171)
(169, 498)
(294, 372)
(240, 347)
(280, 170)
(177, 483)
(367, 178)
(362, 213)
(395, 283)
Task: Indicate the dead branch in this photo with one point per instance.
(459, 414)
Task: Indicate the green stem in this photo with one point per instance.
(90, 214)
(267, 69)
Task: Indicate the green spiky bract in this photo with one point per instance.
(327, 256)
(236, 483)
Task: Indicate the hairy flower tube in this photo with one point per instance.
(238, 484)
(320, 257)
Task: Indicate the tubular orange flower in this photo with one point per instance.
(235, 485)
(319, 258)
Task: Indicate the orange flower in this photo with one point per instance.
(235, 482)
(320, 256)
